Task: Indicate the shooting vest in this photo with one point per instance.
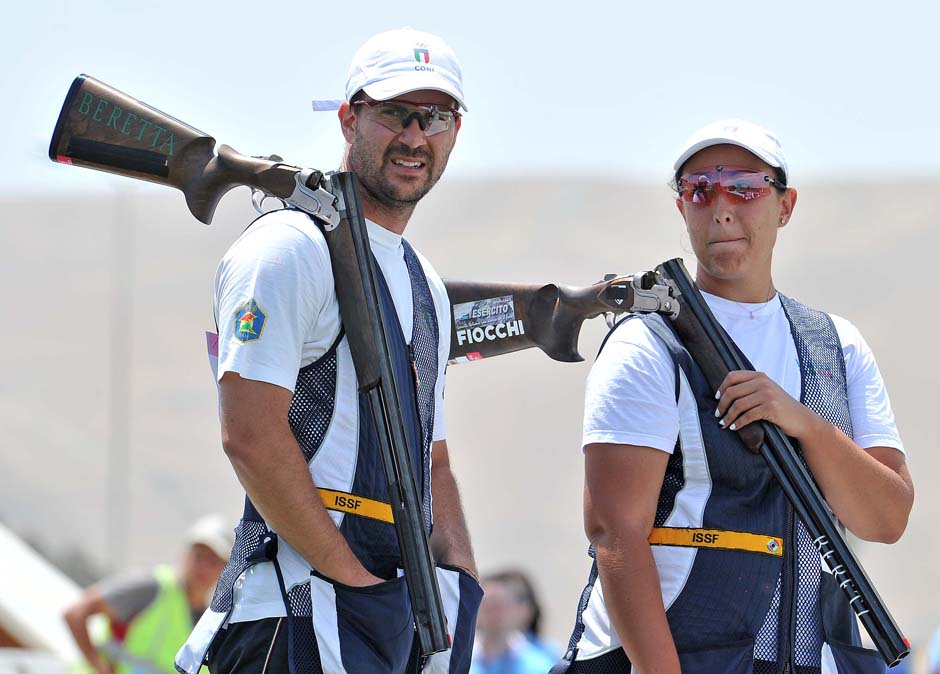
(333, 425)
(744, 588)
(154, 635)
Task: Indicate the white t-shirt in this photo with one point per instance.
(630, 396)
(282, 264)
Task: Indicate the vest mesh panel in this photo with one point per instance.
(808, 636)
(303, 640)
(311, 408)
(583, 602)
(424, 349)
(816, 343)
(615, 662)
(765, 644)
(673, 483)
(762, 667)
(822, 372)
(248, 538)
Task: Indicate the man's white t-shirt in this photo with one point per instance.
(283, 264)
(630, 397)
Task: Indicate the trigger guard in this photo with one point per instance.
(258, 198)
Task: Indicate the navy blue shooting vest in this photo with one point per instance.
(742, 611)
(374, 542)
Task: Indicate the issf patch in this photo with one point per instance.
(249, 322)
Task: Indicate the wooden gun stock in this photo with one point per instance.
(102, 128)
(490, 319)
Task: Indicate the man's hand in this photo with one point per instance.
(358, 577)
(90, 603)
(745, 397)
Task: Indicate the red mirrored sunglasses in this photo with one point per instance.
(702, 187)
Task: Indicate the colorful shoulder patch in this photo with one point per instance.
(249, 322)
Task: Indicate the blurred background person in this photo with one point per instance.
(507, 639)
(530, 620)
(145, 617)
(932, 665)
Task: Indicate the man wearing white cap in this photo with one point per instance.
(314, 583)
(699, 562)
(148, 615)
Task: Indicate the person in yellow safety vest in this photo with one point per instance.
(147, 616)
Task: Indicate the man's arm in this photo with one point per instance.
(76, 617)
(621, 492)
(119, 599)
(259, 443)
(870, 490)
(450, 539)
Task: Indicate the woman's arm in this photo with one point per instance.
(621, 492)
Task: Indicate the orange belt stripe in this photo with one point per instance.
(356, 505)
(717, 538)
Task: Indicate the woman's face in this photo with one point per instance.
(733, 238)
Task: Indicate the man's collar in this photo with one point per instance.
(380, 236)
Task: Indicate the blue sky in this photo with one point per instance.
(600, 89)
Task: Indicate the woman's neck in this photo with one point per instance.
(749, 290)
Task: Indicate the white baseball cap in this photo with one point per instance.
(755, 139)
(214, 532)
(398, 62)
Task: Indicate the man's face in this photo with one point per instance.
(201, 567)
(397, 167)
(734, 238)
